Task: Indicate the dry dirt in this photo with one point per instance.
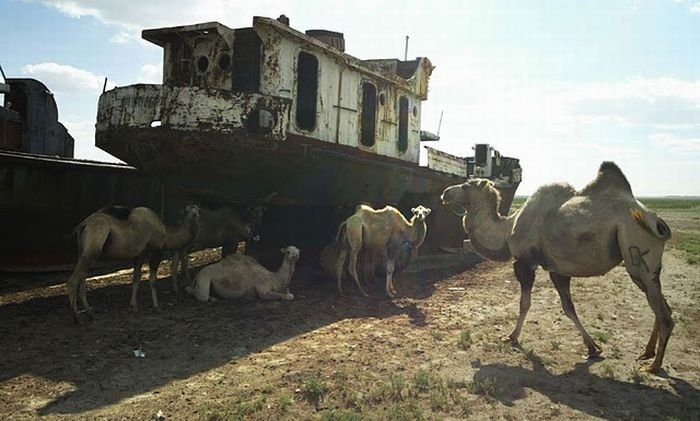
(434, 353)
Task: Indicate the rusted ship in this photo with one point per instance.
(243, 113)
(44, 191)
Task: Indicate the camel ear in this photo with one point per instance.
(283, 250)
(427, 211)
(413, 210)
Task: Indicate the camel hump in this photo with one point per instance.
(118, 212)
(610, 177)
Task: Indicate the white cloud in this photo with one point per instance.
(151, 73)
(675, 143)
(695, 8)
(131, 19)
(65, 79)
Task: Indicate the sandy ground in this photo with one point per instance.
(433, 353)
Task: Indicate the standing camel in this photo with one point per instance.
(382, 232)
(120, 233)
(573, 233)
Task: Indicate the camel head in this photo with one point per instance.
(420, 212)
(472, 193)
(191, 213)
(291, 253)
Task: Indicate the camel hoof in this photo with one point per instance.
(288, 297)
(646, 356)
(511, 341)
(652, 368)
(594, 357)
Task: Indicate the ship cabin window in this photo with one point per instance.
(202, 64)
(307, 91)
(245, 63)
(369, 114)
(382, 99)
(224, 62)
(403, 124)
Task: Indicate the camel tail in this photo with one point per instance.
(651, 223)
(341, 231)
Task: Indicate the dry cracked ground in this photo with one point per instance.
(434, 353)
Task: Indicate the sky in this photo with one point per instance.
(561, 84)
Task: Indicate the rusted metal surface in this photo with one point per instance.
(192, 109)
(29, 120)
(444, 162)
(43, 198)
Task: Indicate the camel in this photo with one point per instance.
(238, 276)
(120, 233)
(573, 234)
(223, 227)
(382, 232)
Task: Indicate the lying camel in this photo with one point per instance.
(238, 276)
(223, 227)
(384, 232)
(573, 233)
(120, 233)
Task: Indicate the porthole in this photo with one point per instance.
(415, 111)
(382, 98)
(224, 62)
(202, 64)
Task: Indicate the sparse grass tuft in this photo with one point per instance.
(340, 415)
(397, 387)
(421, 380)
(555, 345)
(465, 340)
(603, 337)
(487, 386)
(314, 389)
(608, 371)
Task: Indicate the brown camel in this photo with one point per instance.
(382, 232)
(573, 233)
(119, 233)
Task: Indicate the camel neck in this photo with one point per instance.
(489, 232)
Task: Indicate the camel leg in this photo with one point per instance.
(174, 263)
(201, 287)
(353, 270)
(642, 254)
(339, 269)
(526, 276)
(184, 265)
(650, 349)
(153, 263)
(135, 280)
(73, 285)
(563, 285)
(274, 295)
(83, 299)
(663, 323)
(389, 278)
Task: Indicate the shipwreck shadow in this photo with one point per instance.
(596, 396)
(96, 363)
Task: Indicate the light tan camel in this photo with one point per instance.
(239, 276)
(223, 227)
(380, 232)
(573, 233)
(119, 233)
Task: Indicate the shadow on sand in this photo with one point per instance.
(596, 396)
(185, 339)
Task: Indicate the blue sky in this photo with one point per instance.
(563, 85)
